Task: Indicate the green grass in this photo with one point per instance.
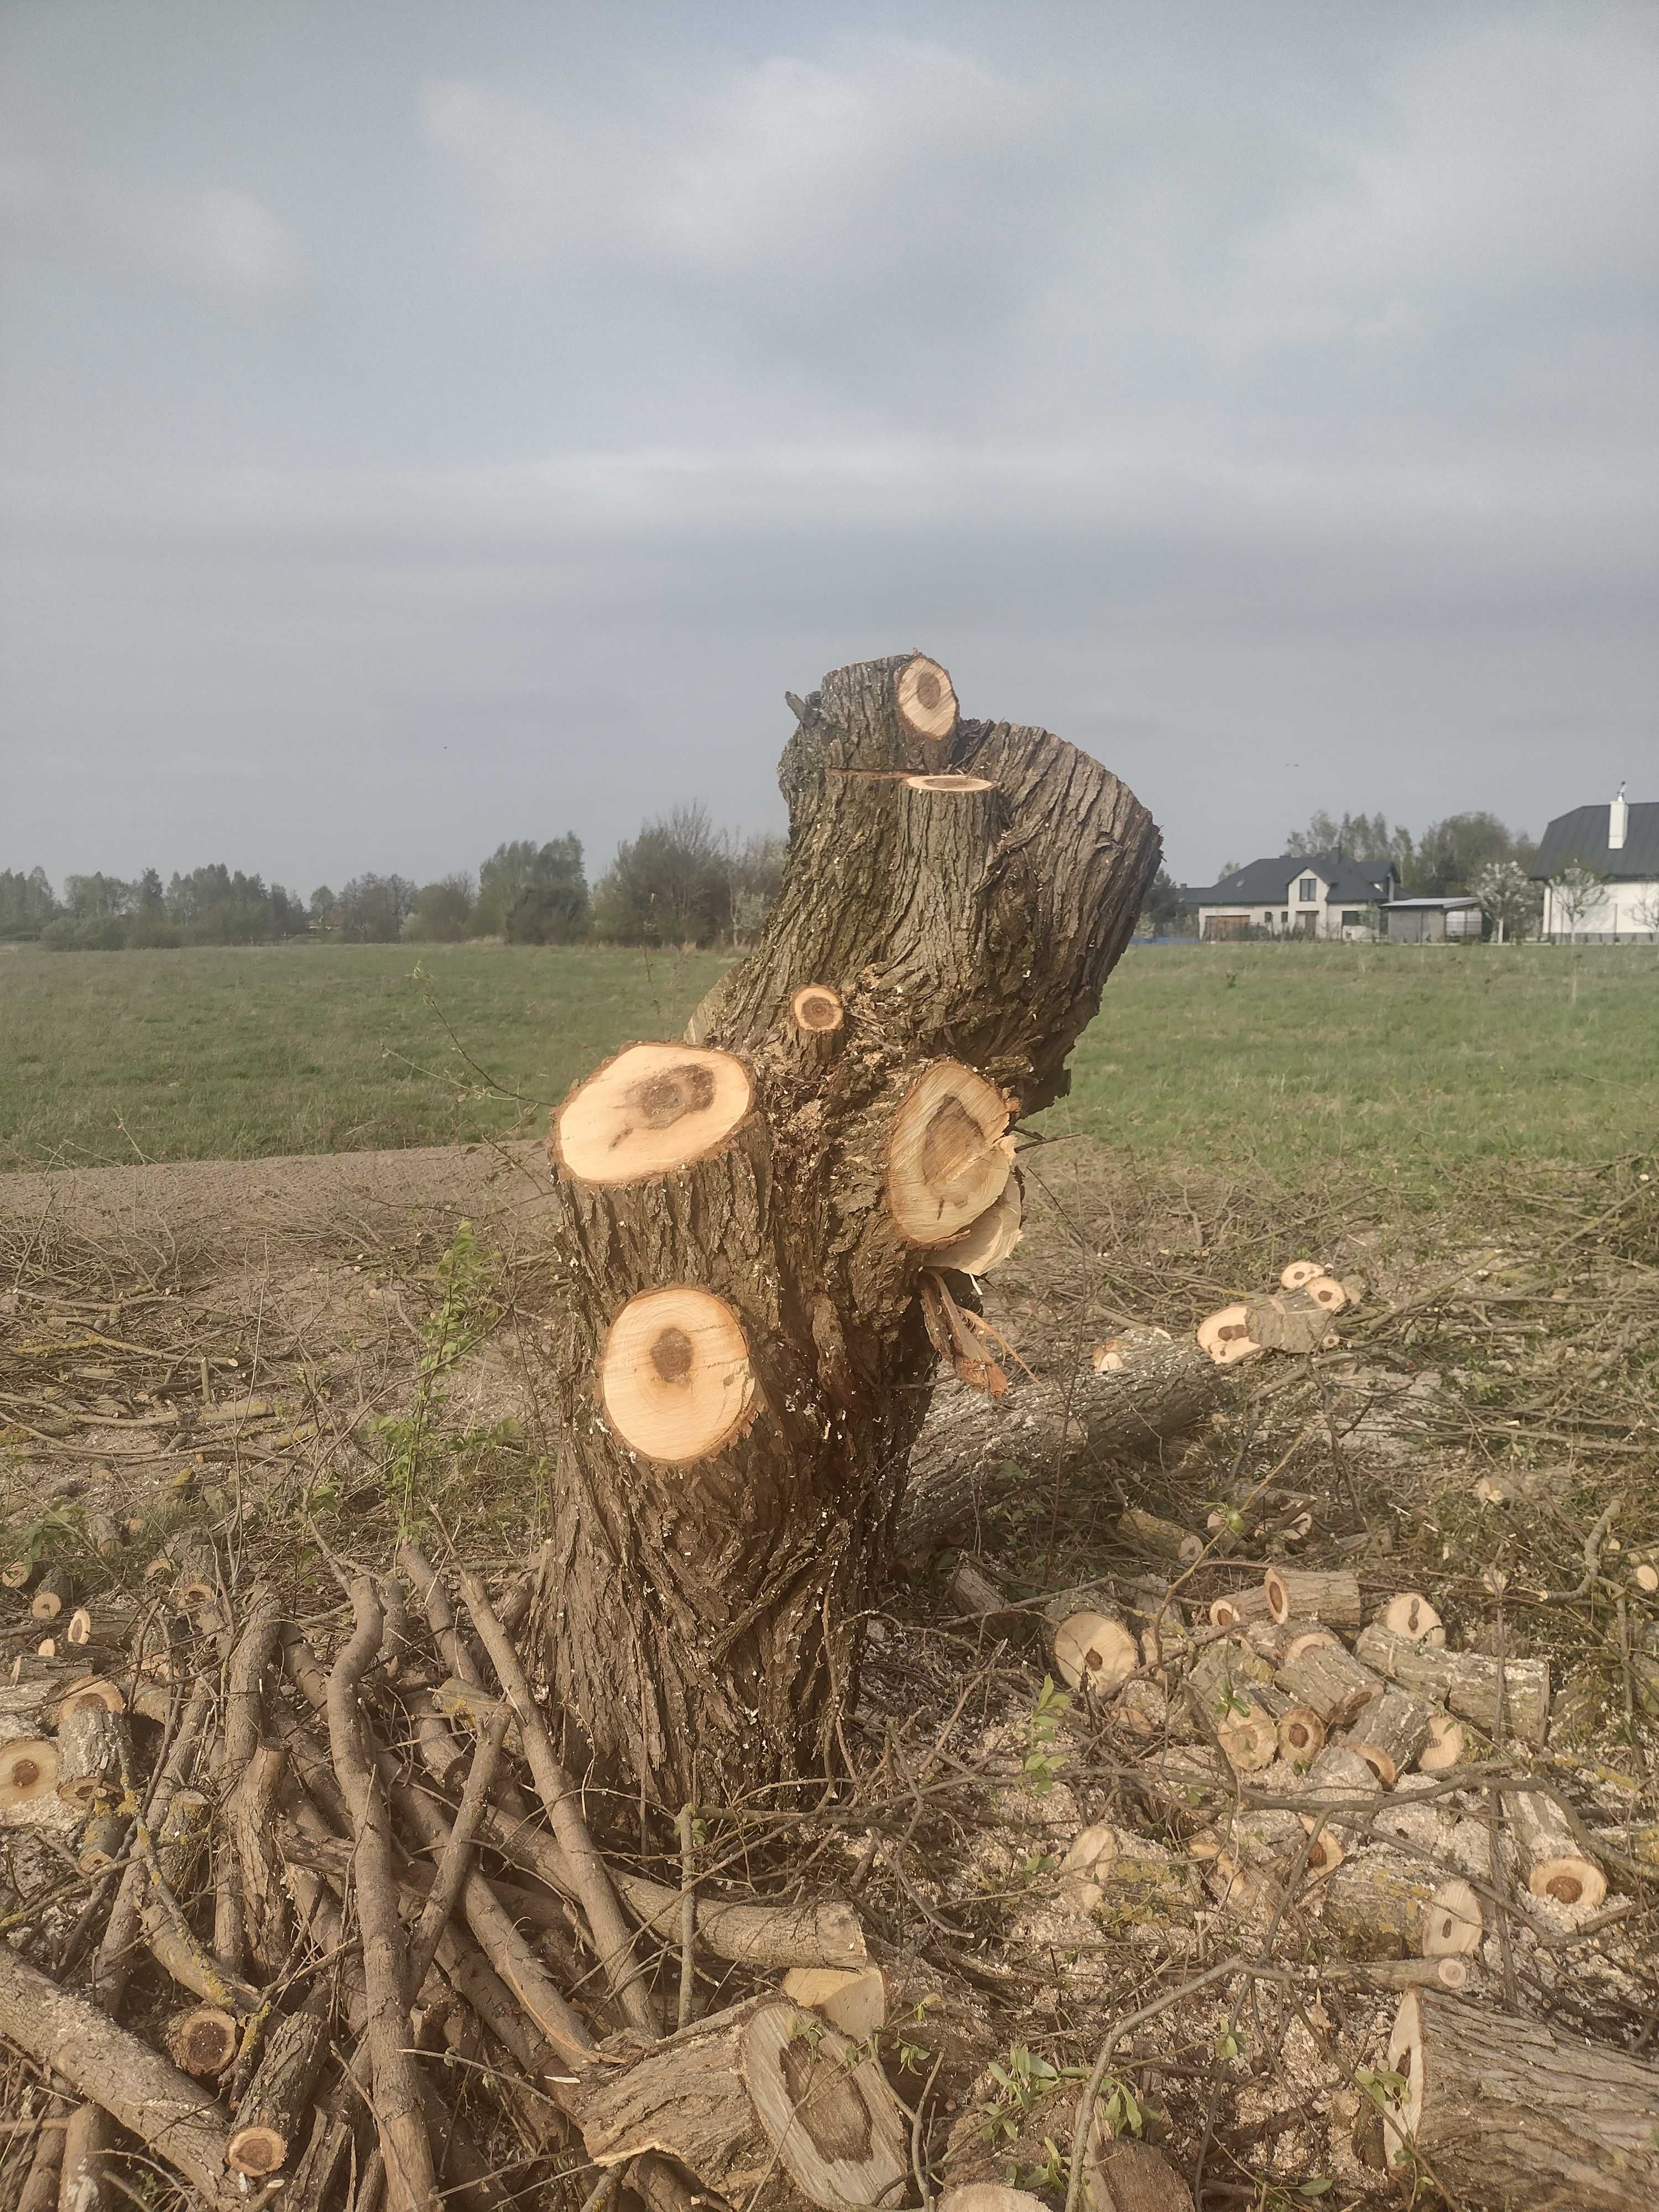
(240, 1054)
(1293, 1061)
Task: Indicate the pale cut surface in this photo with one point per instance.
(1326, 1293)
(1299, 1273)
(28, 1769)
(1444, 1748)
(853, 2000)
(992, 1237)
(817, 1009)
(1225, 1335)
(834, 2124)
(1092, 1648)
(650, 1109)
(1452, 1925)
(926, 701)
(948, 783)
(1411, 1614)
(948, 1158)
(675, 1375)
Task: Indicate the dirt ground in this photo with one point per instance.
(341, 1343)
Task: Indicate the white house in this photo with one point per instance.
(1619, 844)
(1326, 895)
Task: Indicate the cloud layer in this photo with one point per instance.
(414, 442)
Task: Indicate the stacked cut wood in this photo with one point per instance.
(1131, 1393)
(223, 2010)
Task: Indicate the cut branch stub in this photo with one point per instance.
(960, 783)
(675, 1376)
(992, 1237)
(948, 1158)
(817, 1009)
(926, 703)
(649, 1110)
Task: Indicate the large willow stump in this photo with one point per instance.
(742, 1223)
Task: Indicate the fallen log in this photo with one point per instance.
(1382, 1904)
(83, 2183)
(1502, 2112)
(1549, 1858)
(273, 2115)
(970, 1444)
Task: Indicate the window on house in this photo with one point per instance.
(1283, 917)
(1267, 921)
(1305, 890)
(1350, 920)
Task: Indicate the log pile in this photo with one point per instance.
(343, 1869)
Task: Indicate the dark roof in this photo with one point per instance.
(1582, 835)
(1264, 882)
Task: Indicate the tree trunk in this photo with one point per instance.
(741, 1224)
(1501, 2112)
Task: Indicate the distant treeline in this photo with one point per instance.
(681, 881)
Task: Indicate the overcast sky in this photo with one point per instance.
(421, 425)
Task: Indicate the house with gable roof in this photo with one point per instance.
(1617, 843)
(1325, 895)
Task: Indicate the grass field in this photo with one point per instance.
(1416, 1064)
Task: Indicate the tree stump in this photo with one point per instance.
(740, 1224)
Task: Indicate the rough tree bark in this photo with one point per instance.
(741, 1223)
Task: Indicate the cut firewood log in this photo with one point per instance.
(1301, 1735)
(854, 2003)
(273, 2115)
(81, 1692)
(1240, 1609)
(1161, 1538)
(1326, 1292)
(1500, 2110)
(1311, 1594)
(101, 1843)
(1549, 1857)
(1290, 1322)
(64, 2035)
(1282, 1641)
(1330, 1682)
(1453, 1924)
(1299, 1273)
(203, 2040)
(196, 1569)
(1380, 1904)
(1445, 1745)
(51, 1593)
(1090, 1646)
(28, 1775)
(1410, 1613)
(1341, 1792)
(1469, 1682)
(103, 1534)
(1224, 1337)
(988, 2197)
(1224, 1687)
(40, 2186)
(1390, 1734)
(95, 1747)
(89, 2139)
(740, 2094)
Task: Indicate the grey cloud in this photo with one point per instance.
(1262, 397)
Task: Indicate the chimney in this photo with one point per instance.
(1618, 822)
